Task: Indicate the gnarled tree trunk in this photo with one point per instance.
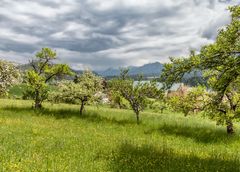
(230, 127)
(38, 103)
(136, 110)
(137, 115)
(81, 107)
(83, 100)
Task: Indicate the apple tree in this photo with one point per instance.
(43, 71)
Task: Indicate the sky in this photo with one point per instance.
(99, 34)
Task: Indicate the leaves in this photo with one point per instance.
(220, 63)
(42, 72)
(136, 93)
(9, 75)
(84, 89)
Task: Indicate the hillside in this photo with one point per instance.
(151, 69)
(104, 139)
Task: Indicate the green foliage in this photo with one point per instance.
(17, 91)
(192, 102)
(195, 80)
(42, 72)
(219, 61)
(9, 75)
(226, 110)
(158, 105)
(83, 90)
(135, 93)
(117, 100)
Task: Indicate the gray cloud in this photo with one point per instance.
(99, 34)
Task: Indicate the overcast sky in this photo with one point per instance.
(99, 34)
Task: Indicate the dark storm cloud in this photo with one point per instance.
(7, 45)
(100, 34)
(83, 45)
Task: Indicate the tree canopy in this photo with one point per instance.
(83, 89)
(43, 71)
(136, 93)
(220, 62)
(9, 75)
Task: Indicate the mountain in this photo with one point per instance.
(150, 70)
(109, 72)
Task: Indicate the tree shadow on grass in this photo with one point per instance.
(197, 133)
(89, 115)
(129, 158)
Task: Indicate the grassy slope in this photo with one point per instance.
(57, 139)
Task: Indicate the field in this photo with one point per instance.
(104, 139)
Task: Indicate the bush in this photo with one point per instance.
(158, 106)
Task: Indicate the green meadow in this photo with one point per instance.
(104, 139)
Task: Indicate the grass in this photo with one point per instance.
(104, 139)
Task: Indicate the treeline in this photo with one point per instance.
(43, 83)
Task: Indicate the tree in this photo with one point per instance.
(227, 109)
(43, 71)
(136, 93)
(83, 89)
(192, 101)
(116, 99)
(9, 75)
(220, 63)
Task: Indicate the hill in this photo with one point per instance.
(150, 69)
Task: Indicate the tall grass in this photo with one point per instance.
(103, 139)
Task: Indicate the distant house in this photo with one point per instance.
(182, 90)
